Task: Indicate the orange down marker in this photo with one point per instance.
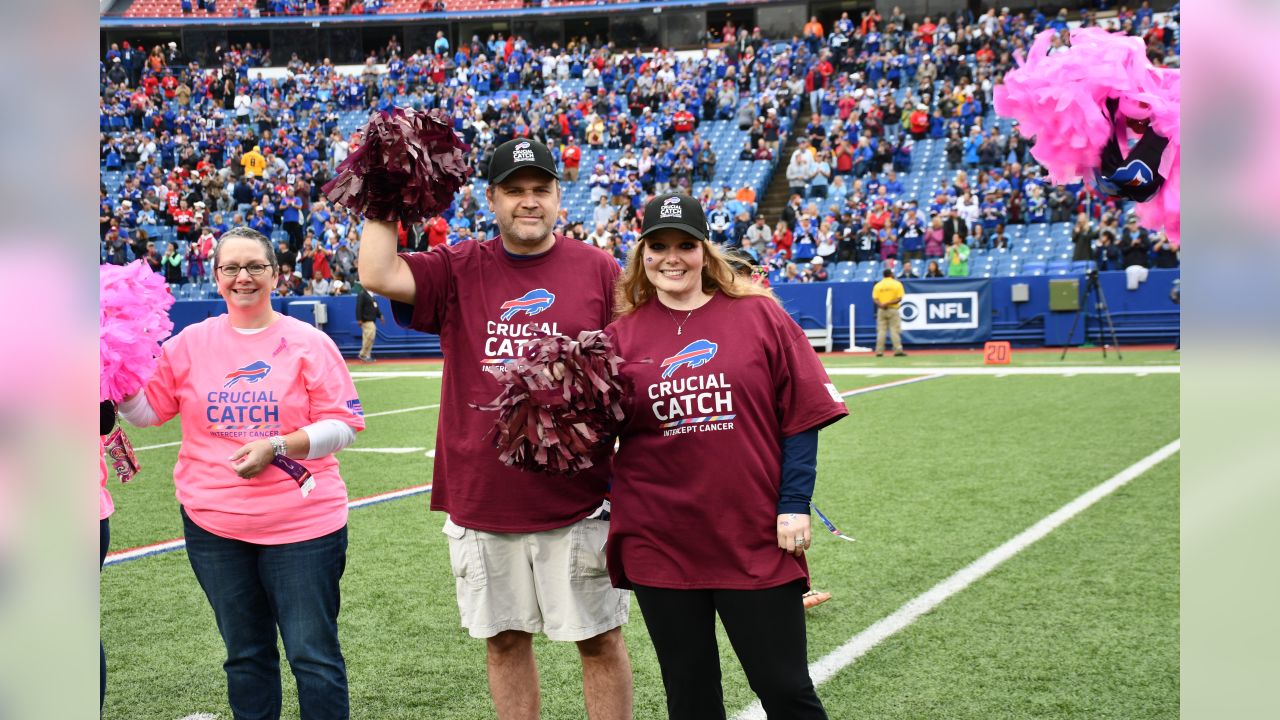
(996, 352)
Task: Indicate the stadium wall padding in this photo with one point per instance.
(1140, 316)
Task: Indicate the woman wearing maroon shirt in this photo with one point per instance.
(717, 463)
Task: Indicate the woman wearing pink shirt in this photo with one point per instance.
(265, 402)
(934, 240)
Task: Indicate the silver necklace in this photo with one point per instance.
(680, 323)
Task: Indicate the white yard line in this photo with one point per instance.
(826, 667)
(175, 443)
(940, 370)
(179, 543)
(402, 410)
(373, 375)
(1066, 370)
(928, 373)
(883, 386)
(387, 450)
(368, 415)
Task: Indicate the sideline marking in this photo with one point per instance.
(1003, 371)
(1006, 370)
(826, 667)
(402, 410)
(168, 546)
(156, 447)
(895, 383)
(959, 370)
(374, 375)
(367, 415)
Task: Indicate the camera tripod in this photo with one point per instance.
(1094, 289)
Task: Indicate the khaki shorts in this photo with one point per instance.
(553, 582)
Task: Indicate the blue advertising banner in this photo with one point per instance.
(946, 311)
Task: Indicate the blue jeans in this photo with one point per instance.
(256, 588)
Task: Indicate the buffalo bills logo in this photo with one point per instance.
(1134, 180)
(694, 355)
(532, 302)
(1133, 174)
(251, 373)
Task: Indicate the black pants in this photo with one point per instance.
(766, 628)
(294, 230)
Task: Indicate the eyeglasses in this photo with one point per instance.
(231, 271)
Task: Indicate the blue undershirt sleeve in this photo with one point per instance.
(799, 471)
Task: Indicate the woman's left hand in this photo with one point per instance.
(793, 533)
(254, 457)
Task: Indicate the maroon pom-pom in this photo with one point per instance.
(409, 167)
(560, 401)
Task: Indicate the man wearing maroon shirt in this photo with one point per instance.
(526, 548)
(716, 468)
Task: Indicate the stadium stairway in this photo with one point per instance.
(776, 196)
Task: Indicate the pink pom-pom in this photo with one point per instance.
(560, 401)
(1060, 99)
(410, 166)
(133, 319)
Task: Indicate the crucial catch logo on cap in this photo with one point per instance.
(671, 209)
(522, 153)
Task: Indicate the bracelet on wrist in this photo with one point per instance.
(278, 444)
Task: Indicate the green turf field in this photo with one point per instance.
(927, 476)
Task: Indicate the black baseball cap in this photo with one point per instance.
(513, 155)
(675, 210)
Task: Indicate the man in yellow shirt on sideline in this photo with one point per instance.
(254, 163)
(886, 295)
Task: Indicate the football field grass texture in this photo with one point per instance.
(928, 476)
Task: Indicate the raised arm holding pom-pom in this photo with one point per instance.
(381, 269)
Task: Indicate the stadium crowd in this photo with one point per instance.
(193, 151)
